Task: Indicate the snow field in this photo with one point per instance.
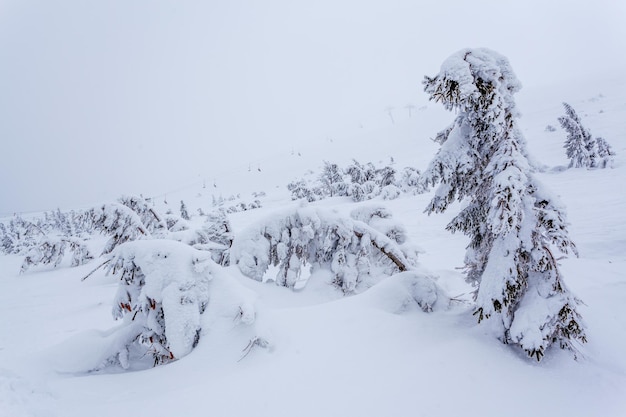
(371, 354)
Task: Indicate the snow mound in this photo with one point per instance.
(399, 292)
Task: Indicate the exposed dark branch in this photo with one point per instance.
(393, 258)
(95, 269)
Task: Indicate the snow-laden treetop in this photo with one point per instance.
(465, 73)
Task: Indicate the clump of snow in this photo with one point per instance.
(397, 293)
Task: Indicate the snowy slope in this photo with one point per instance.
(365, 355)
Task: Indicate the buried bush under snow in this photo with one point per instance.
(366, 244)
(166, 289)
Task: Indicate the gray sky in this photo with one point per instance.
(126, 96)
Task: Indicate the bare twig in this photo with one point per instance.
(255, 341)
(95, 269)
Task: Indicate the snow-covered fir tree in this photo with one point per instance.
(513, 223)
(183, 210)
(362, 179)
(606, 154)
(359, 173)
(386, 176)
(331, 180)
(6, 243)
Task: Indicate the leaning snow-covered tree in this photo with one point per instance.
(580, 146)
(513, 223)
(168, 292)
(119, 222)
(152, 221)
(367, 244)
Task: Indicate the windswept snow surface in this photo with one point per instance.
(372, 354)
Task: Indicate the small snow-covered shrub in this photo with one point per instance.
(18, 235)
(300, 189)
(44, 240)
(134, 219)
(244, 206)
(390, 192)
(52, 250)
(219, 237)
(152, 221)
(358, 181)
(352, 249)
(410, 181)
(237, 203)
(165, 290)
(214, 235)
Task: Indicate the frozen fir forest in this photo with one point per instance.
(312, 209)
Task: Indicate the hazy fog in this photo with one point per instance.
(110, 97)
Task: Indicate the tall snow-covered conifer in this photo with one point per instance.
(514, 225)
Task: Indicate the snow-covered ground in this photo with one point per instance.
(363, 355)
